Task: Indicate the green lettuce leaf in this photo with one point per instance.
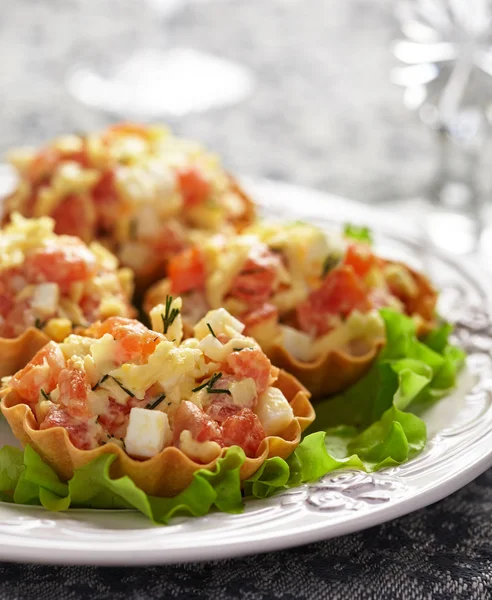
(408, 373)
(359, 234)
(34, 482)
(11, 468)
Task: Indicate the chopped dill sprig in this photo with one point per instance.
(152, 405)
(44, 394)
(219, 391)
(102, 380)
(209, 386)
(330, 262)
(123, 387)
(211, 330)
(170, 315)
(39, 324)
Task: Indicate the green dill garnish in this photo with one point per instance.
(330, 262)
(123, 387)
(44, 394)
(102, 380)
(208, 385)
(360, 234)
(244, 348)
(200, 387)
(39, 324)
(211, 330)
(170, 315)
(152, 405)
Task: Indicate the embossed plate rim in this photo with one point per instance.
(225, 536)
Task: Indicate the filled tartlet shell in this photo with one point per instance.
(329, 374)
(423, 304)
(170, 471)
(15, 353)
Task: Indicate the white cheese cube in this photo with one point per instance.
(45, 299)
(274, 411)
(297, 343)
(244, 392)
(212, 348)
(148, 433)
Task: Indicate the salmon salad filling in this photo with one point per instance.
(138, 189)
(297, 286)
(56, 282)
(145, 390)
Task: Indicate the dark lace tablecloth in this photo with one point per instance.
(323, 114)
(440, 552)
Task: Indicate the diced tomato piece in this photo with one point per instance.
(40, 374)
(243, 429)
(62, 265)
(187, 271)
(259, 315)
(114, 421)
(221, 406)
(74, 387)
(75, 216)
(255, 283)
(251, 362)
(118, 327)
(360, 258)
(105, 187)
(340, 293)
(137, 342)
(194, 187)
(78, 429)
(43, 165)
(202, 427)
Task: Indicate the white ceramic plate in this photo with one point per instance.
(459, 447)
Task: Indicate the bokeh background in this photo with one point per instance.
(322, 111)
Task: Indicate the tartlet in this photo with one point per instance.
(166, 408)
(50, 285)
(137, 189)
(310, 299)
